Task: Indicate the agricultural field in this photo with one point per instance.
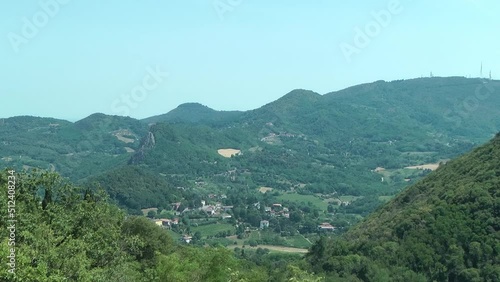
(174, 235)
(274, 248)
(424, 166)
(264, 190)
(294, 197)
(212, 229)
(349, 198)
(385, 198)
(227, 153)
(298, 241)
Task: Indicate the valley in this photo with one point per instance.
(289, 178)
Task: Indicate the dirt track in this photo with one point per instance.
(273, 248)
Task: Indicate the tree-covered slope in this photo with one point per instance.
(134, 188)
(324, 143)
(76, 150)
(453, 106)
(61, 232)
(188, 149)
(446, 227)
(334, 140)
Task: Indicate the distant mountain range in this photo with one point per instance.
(329, 143)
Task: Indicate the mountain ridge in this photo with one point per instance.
(301, 93)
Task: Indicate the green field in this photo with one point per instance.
(348, 198)
(174, 235)
(212, 229)
(220, 241)
(392, 175)
(298, 242)
(385, 198)
(294, 197)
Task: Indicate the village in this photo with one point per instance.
(213, 213)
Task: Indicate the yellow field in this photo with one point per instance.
(227, 153)
(425, 166)
(265, 189)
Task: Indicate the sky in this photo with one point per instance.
(70, 58)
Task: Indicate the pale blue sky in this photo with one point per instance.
(92, 54)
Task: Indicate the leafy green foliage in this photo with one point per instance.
(444, 228)
(135, 188)
(76, 150)
(64, 233)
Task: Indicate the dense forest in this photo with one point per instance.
(446, 227)
(65, 233)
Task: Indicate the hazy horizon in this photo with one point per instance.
(213, 108)
(143, 59)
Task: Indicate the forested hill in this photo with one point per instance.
(76, 150)
(194, 113)
(446, 227)
(452, 105)
(330, 143)
(415, 108)
(326, 144)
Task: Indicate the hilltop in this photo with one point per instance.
(194, 113)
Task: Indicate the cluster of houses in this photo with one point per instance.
(271, 137)
(217, 210)
(264, 224)
(323, 227)
(326, 227)
(275, 210)
(166, 223)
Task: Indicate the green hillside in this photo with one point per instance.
(446, 227)
(194, 113)
(297, 163)
(76, 150)
(134, 188)
(64, 233)
(304, 143)
(331, 143)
